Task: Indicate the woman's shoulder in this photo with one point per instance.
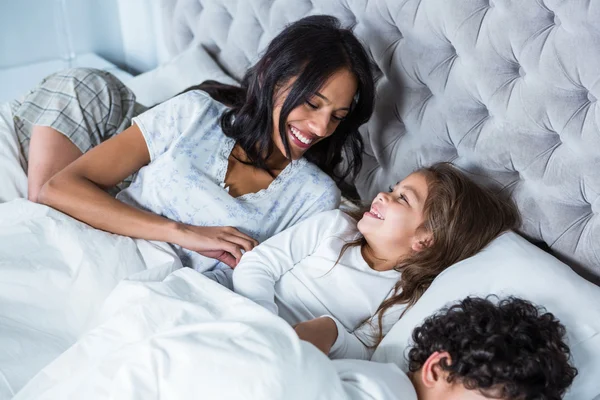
(309, 189)
(200, 99)
(203, 114)
(311, 175)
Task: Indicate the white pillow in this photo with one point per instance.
(191, 67)
(512, 266)
(13, 179)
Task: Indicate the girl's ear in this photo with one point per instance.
(422, 241)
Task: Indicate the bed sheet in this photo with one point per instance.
(13, 180)
(55, 273)
(185, 336)
(89, 314)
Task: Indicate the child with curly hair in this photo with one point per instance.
(477, 349)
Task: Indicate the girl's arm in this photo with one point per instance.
(332, 338)
(260, 269)
(78, 190)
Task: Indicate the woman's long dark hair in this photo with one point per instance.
(311, 50)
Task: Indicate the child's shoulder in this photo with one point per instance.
(338, 220)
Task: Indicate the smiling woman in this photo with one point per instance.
(216, 171)
(306, 125)
(317, 81)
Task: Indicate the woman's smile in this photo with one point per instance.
(300, 138)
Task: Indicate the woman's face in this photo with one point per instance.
(319, 117)
(395, 218)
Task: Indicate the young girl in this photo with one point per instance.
(343, 284)
(212, 180)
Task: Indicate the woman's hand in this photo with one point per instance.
(322, 332)
(223, 243)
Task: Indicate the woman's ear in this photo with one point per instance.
(422, 241)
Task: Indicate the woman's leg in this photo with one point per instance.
(66, 115)
(49, 152)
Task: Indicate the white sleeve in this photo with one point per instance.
(258, 271)
(358, 344)
(348, 345)
(367, 380)
(164, 123)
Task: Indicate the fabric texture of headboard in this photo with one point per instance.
(506, 89)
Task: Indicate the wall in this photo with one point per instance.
(141, 31)
(40, 30)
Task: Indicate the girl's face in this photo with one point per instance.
(319, 117)
(392, 225)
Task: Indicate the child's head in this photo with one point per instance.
(479, 350)
(434, 218)
(431, 220)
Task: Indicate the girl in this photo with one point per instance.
(343, 283)
(262, 165)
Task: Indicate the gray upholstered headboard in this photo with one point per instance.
(507, 89)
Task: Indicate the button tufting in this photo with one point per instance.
(453, 50)
(556, 20)
(491, 4)
(486, 112)
(591, 97)
(521, 71)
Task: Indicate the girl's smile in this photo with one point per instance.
(393, 225)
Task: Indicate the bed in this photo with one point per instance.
(504, 89)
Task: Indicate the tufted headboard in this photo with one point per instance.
(506, 89)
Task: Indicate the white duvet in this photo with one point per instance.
(85, 314)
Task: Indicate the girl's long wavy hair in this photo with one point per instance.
(462, 216)
(310, 50)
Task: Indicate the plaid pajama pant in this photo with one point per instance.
(86, 105)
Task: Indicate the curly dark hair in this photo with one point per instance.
(510, 350)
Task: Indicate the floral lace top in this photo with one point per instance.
(185, 179)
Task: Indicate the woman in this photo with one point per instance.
(344, 281)
(213, 180)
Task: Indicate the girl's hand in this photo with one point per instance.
(322, 332)
(223, 243)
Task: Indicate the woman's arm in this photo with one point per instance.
(78, 191)
(260, 269)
